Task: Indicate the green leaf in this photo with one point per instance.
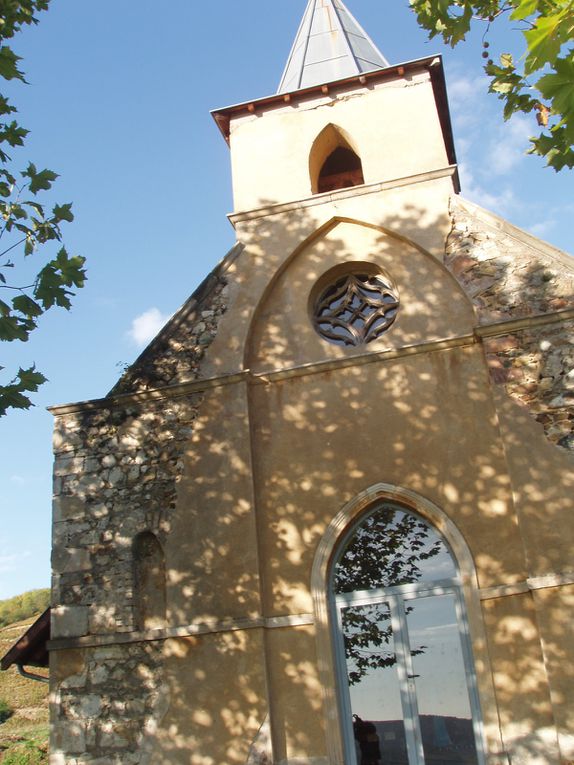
(506, 61)
(39, 181)
(56, 276)
(63, 212)
(30, 379)
(13, 396)
(9, 64)
(6, 107)
(27, 306)
(545, 40)
(558, 86)
(12, 134)
(556, 149)
(15, 328)
(524, 9)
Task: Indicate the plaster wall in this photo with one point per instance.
(415, 215)
(238, 439)
(270, 148)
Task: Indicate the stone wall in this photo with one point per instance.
(117, 465)
(176, 354)
(115, 475)
(510, 275)
(106, 711)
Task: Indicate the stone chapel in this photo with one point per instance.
(326, 517)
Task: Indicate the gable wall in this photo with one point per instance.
(247, 463)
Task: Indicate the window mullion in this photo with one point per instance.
(407, 685)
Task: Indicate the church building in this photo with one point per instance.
(326, 517)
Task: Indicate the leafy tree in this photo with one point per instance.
(23, 606)
(27, 225)
(541, 82)
(389, 548)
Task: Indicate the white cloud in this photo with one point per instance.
(509, 144)
(499, 199)
(18, 479)
(541, 229)
(146, 326)
(464, 95)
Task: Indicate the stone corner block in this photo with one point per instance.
(69, 621)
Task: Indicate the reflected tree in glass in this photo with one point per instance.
(391, 547)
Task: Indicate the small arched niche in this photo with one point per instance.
(334, 162)
(149, 582)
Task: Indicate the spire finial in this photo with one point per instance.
(330, 45)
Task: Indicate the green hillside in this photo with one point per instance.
(24, 734)
(23, 606)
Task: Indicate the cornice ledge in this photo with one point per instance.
(206, 627)
(334, 196)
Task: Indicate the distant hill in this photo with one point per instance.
(23, 606)
(24, 735)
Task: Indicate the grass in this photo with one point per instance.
(24, 735)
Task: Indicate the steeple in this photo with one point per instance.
(329, 45)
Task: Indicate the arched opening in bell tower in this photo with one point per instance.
(334, 162)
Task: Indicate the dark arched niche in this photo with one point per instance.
(149, 582)
(334, 162)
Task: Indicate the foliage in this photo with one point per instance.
(27, 753)
(388, 549)
(5, 711)
(27, 225)
(23, 606)
(541, 82)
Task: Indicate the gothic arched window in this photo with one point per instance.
(407, 686)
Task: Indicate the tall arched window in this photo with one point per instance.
(149, 582)
(405, 671)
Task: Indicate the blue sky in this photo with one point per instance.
(118, 103)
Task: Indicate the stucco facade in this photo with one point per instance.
(247, 445)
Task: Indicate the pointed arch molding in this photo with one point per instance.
(320, 581)
(321, 231)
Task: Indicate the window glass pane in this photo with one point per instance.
(389, 548)
(441, 681)
(378, 727)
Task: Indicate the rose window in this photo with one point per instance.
(356, 309)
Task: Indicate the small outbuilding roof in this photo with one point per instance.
(30, 649)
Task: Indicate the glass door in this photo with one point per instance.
(405, 671)
(409, 689)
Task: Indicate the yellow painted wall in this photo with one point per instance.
(270, 149)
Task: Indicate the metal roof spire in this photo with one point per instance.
(329, 45)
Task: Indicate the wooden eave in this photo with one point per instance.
(432, 64)
(31, 649)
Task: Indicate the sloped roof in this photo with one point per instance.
(329, 45)
(30, 649)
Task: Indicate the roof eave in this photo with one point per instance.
(433, 64)
(30, 649)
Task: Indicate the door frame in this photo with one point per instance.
(329, 543)
(395, 597)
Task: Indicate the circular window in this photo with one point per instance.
(355, 308)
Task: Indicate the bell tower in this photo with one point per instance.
(342, 117)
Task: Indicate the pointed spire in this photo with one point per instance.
(330, 45)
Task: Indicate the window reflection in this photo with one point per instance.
(392, 547)
(407, 690)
